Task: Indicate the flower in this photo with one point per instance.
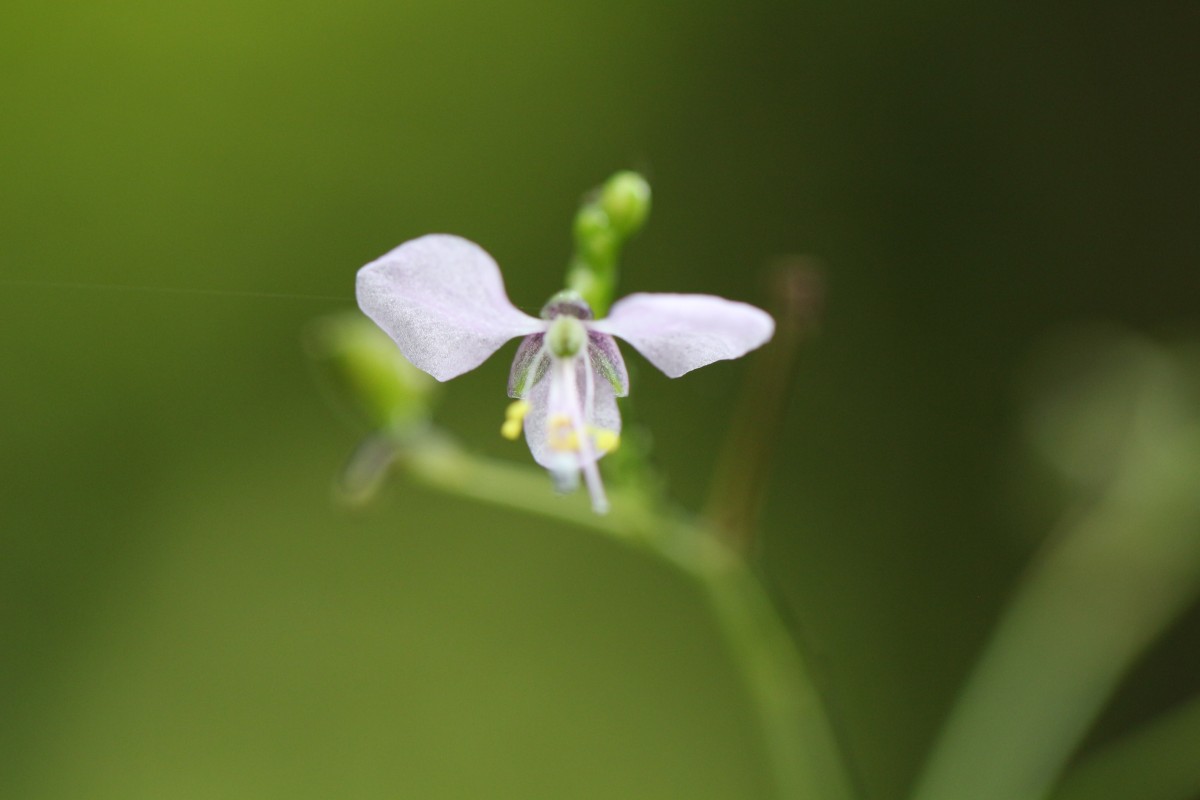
(441, 299)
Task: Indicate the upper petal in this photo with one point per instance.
(529, 365)
(679, 332)
(442, 300)
(607, 362)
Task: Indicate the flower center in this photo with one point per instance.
(563, 437)
(567, 303)
(566, 337)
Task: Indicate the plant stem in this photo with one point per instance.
(1095, 598)
(1161, 761)
(438, 462)
(801, 745)
(801, 748)
(743, 468)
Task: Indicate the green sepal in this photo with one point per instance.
(530, 360)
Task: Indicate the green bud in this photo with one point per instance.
(625, 198)
(608, 217)
(566, 337)
(365, 373)
(582, 279)
(596, 240)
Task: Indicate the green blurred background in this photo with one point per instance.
(185, 613)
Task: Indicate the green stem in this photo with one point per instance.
(800, 741)
(436, 461)
(801, 748)
(743, 469)
(1161, 761)
(1098, 595)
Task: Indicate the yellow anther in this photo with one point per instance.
(605, 439)
(560, 434)
(514, 416)
(517, 410)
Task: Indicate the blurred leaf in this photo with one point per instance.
(365, 374)
(1116, 573)
(1161, 761)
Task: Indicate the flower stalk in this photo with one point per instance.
(740, 478)
(801, 747)
(617, 210)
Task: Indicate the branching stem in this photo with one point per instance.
(799, 740)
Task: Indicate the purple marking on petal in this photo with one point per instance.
(679, 332)
(529, 365)
(441, 298)
(567, 303)
(607, 361)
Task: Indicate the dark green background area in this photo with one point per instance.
(185, 613)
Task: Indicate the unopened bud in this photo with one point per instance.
(596, 240)
(625, 198)
(365, 373)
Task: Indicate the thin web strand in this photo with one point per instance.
(120, 287)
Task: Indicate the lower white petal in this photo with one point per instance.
(549, 401)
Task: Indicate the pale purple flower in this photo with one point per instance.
(442, 300)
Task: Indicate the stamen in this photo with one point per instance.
(582, 440)
(514, 417)
(605, 439)
(561, 435)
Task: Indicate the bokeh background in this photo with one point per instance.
(186, 613)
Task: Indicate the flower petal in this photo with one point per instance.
(679, 332)
(529, 365)
(548, 400)
(442, 300)
(607, 361)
